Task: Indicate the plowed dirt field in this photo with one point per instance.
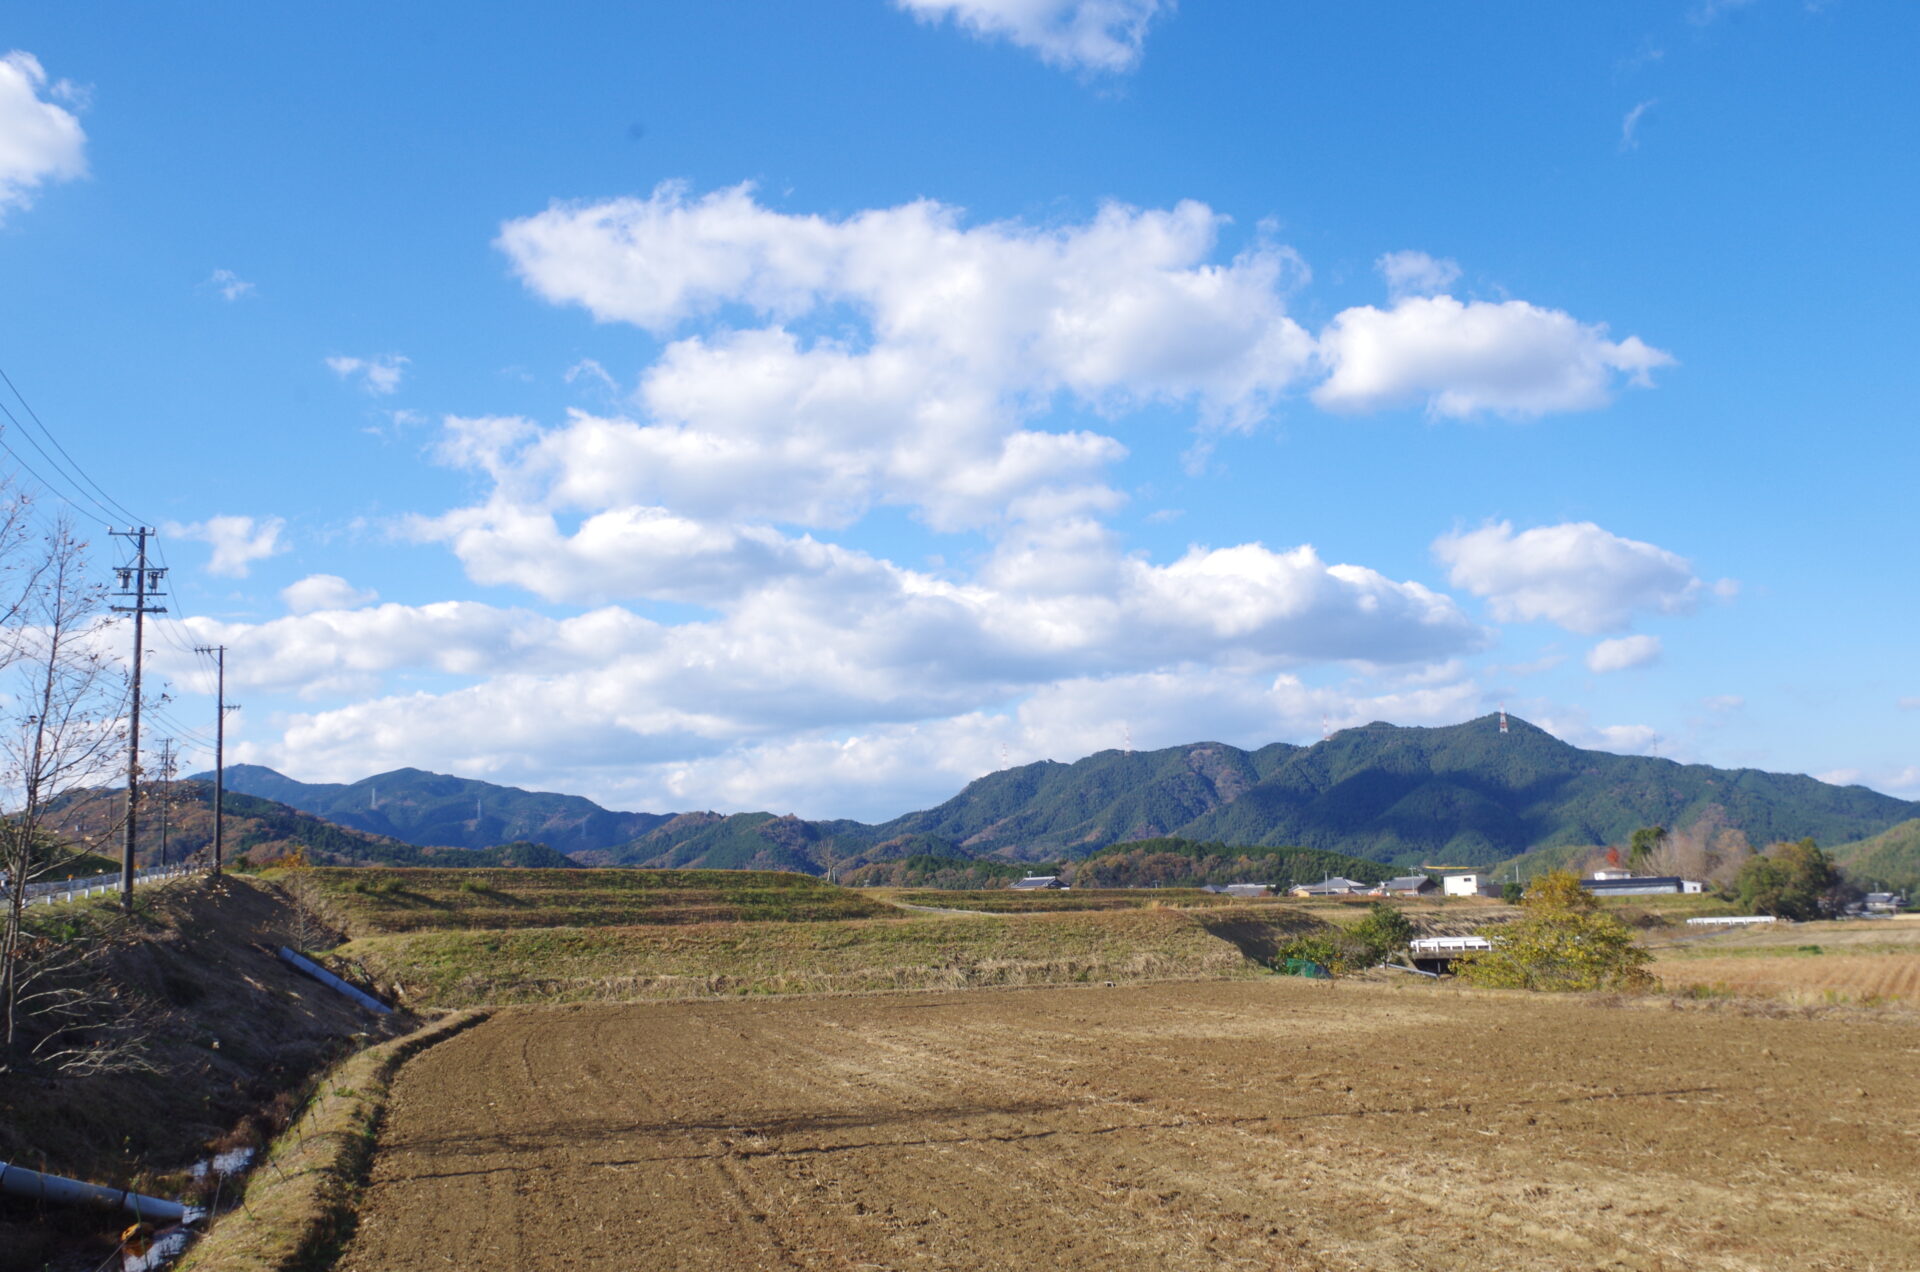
(1268, 1124)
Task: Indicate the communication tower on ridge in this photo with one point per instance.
(1126, 735)
(1326, 728)
(1503, 717)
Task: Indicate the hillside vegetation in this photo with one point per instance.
(1890, 859)
(434, 810)
(177, 826)
(371, 902)
(1187, 863)
(1464, 794)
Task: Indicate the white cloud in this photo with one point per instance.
(1416, 273)
(1576, 574)
(40, 141)
(1630, 125)
(378, 375)
(1624, 653)
(1724, 704)
(590, 371)
(1508, 358)
(324, 592)
(596, 734)
(968, 333)
(237, 541)
(233, 287)
(1096, 35)
(812, 371)
(1909, 704)
(1709, 11)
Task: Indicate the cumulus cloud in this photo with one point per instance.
(1576, 575)
(378, 375)
(1462, 359)
(1095, 35)
(1909, 704)
(40, 140)
(324, 592)
(630, 751)
(811, 371)
(1416, 273)
(1624, 653)
(237, 541)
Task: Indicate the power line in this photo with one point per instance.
(84, 475)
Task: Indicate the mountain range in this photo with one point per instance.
(1465, 794)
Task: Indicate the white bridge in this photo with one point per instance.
(1436, 953)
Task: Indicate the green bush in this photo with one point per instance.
(1561, 942)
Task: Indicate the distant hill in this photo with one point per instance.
(742, 841)
(177, 825)
(1890, 858)
(1464, 794)
(434, 810)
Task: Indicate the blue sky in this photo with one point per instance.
(813, 407)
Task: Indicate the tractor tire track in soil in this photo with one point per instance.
(1269, 1124)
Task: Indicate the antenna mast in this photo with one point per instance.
(1503, 717)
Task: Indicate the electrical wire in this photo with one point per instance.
(84, 475)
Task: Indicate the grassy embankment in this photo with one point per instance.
(455, 939)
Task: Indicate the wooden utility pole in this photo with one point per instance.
(139, 582)
(219, 653)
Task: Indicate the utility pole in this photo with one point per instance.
(219, 653)
(166, 796)
(138, 582)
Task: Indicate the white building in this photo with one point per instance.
(1471, 884)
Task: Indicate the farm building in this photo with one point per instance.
(1031, 882)
(1248, 889)
(1335, 886)
(1883, 902)
(1471, 883)
(1614, 884)
(1409, 886)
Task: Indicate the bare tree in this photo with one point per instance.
(60, 731)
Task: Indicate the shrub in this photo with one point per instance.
(1561, 942)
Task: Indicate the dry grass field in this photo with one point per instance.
(1844, 961)
(1263, 1124)
(363, 902)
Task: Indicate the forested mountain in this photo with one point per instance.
(432, 809)
(1890, 859)
(176, 825)
(1464, 794)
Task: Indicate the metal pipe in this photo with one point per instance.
(22, 1182)
(331, 981)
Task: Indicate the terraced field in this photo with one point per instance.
(1265, 1124)
(367, 902)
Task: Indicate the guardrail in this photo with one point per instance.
(49, 891)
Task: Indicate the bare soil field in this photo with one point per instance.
(1264, 1124)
